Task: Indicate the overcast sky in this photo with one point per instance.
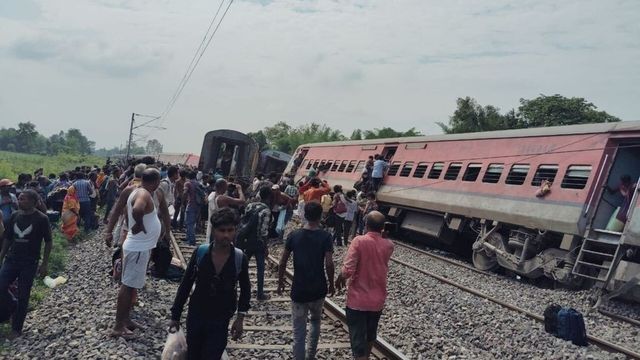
(349, 64)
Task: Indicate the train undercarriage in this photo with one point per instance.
(529, 253)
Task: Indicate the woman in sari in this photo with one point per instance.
(70, 211)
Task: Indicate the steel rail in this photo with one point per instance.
(381, 348)
(613, 316)
(606, 345)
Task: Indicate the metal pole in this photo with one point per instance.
(130, 136)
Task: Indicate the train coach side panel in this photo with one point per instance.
(563, 217)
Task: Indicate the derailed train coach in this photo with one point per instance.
(230, 152)
(538, 202)
(235, 154)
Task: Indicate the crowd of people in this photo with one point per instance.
(144, 200)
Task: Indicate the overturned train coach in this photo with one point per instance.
(535, 201)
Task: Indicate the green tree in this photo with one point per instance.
(260, 138)
(78, 143)
(26, 137)
(356, 135)
(558, 110)
(544, 110)
(387, 133)
(154, 147)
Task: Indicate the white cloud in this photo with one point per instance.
(347, 63)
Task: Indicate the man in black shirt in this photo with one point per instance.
(312, 250)
(26, 230)
(216, 272)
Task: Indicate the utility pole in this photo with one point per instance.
(144, 124)
(130, 136)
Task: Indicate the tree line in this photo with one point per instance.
(469, 116)
(26, 139)
(554, 110)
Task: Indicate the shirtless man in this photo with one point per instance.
(219, 199)
(144, 231)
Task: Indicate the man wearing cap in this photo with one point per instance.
(8, 201)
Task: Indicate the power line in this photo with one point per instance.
(199, 53)
(195, 55)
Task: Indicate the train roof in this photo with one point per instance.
(501, 134)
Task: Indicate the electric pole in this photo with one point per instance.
(130, 136)
(144, 124)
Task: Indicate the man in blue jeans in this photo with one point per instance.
(84, 190)
(192, 209)
(26, 230)
(255, 244)
(312, 250)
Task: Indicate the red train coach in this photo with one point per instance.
(486, 184)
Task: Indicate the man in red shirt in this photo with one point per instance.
(367, 265)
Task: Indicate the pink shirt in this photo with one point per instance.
(367, 265)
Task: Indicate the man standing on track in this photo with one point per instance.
(312, 250)
(215, 269)
(192, 208)
(219, 199)
(367, 265)
(255, 243)
(26, 229)
(84, 191)
(143, 235)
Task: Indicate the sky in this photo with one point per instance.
(89, 64)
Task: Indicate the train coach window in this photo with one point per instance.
(517, 174)
(343, 166)
(421, 169)
(544, 172)
(335, 165)
(436, 170)
(393, 169)
(406, 169)
(494, 171)
(309, 163)
(453, 171)
(359, 167)
(576, 177)
(328, 165)
(472, 172)
(352, 165)
(315, 164)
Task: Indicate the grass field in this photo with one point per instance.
(12, 164)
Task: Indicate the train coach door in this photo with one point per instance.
(388, 152)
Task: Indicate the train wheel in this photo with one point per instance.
(486, 260)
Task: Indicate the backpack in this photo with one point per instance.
(571, 326)
(201, 194)
(340, 207)
(551, 319)
(247, 233)
(203, 250)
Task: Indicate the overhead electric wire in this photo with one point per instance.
(193, 59)
(198, 56)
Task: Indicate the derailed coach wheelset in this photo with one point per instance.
(557, 202)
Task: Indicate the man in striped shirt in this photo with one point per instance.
(84, 191)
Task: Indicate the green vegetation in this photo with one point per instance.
(283, 137)
(13, 164)
(57, 262)
(544, 110)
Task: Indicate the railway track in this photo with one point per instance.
(613, 316)
(604, 344)
(268, 325)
